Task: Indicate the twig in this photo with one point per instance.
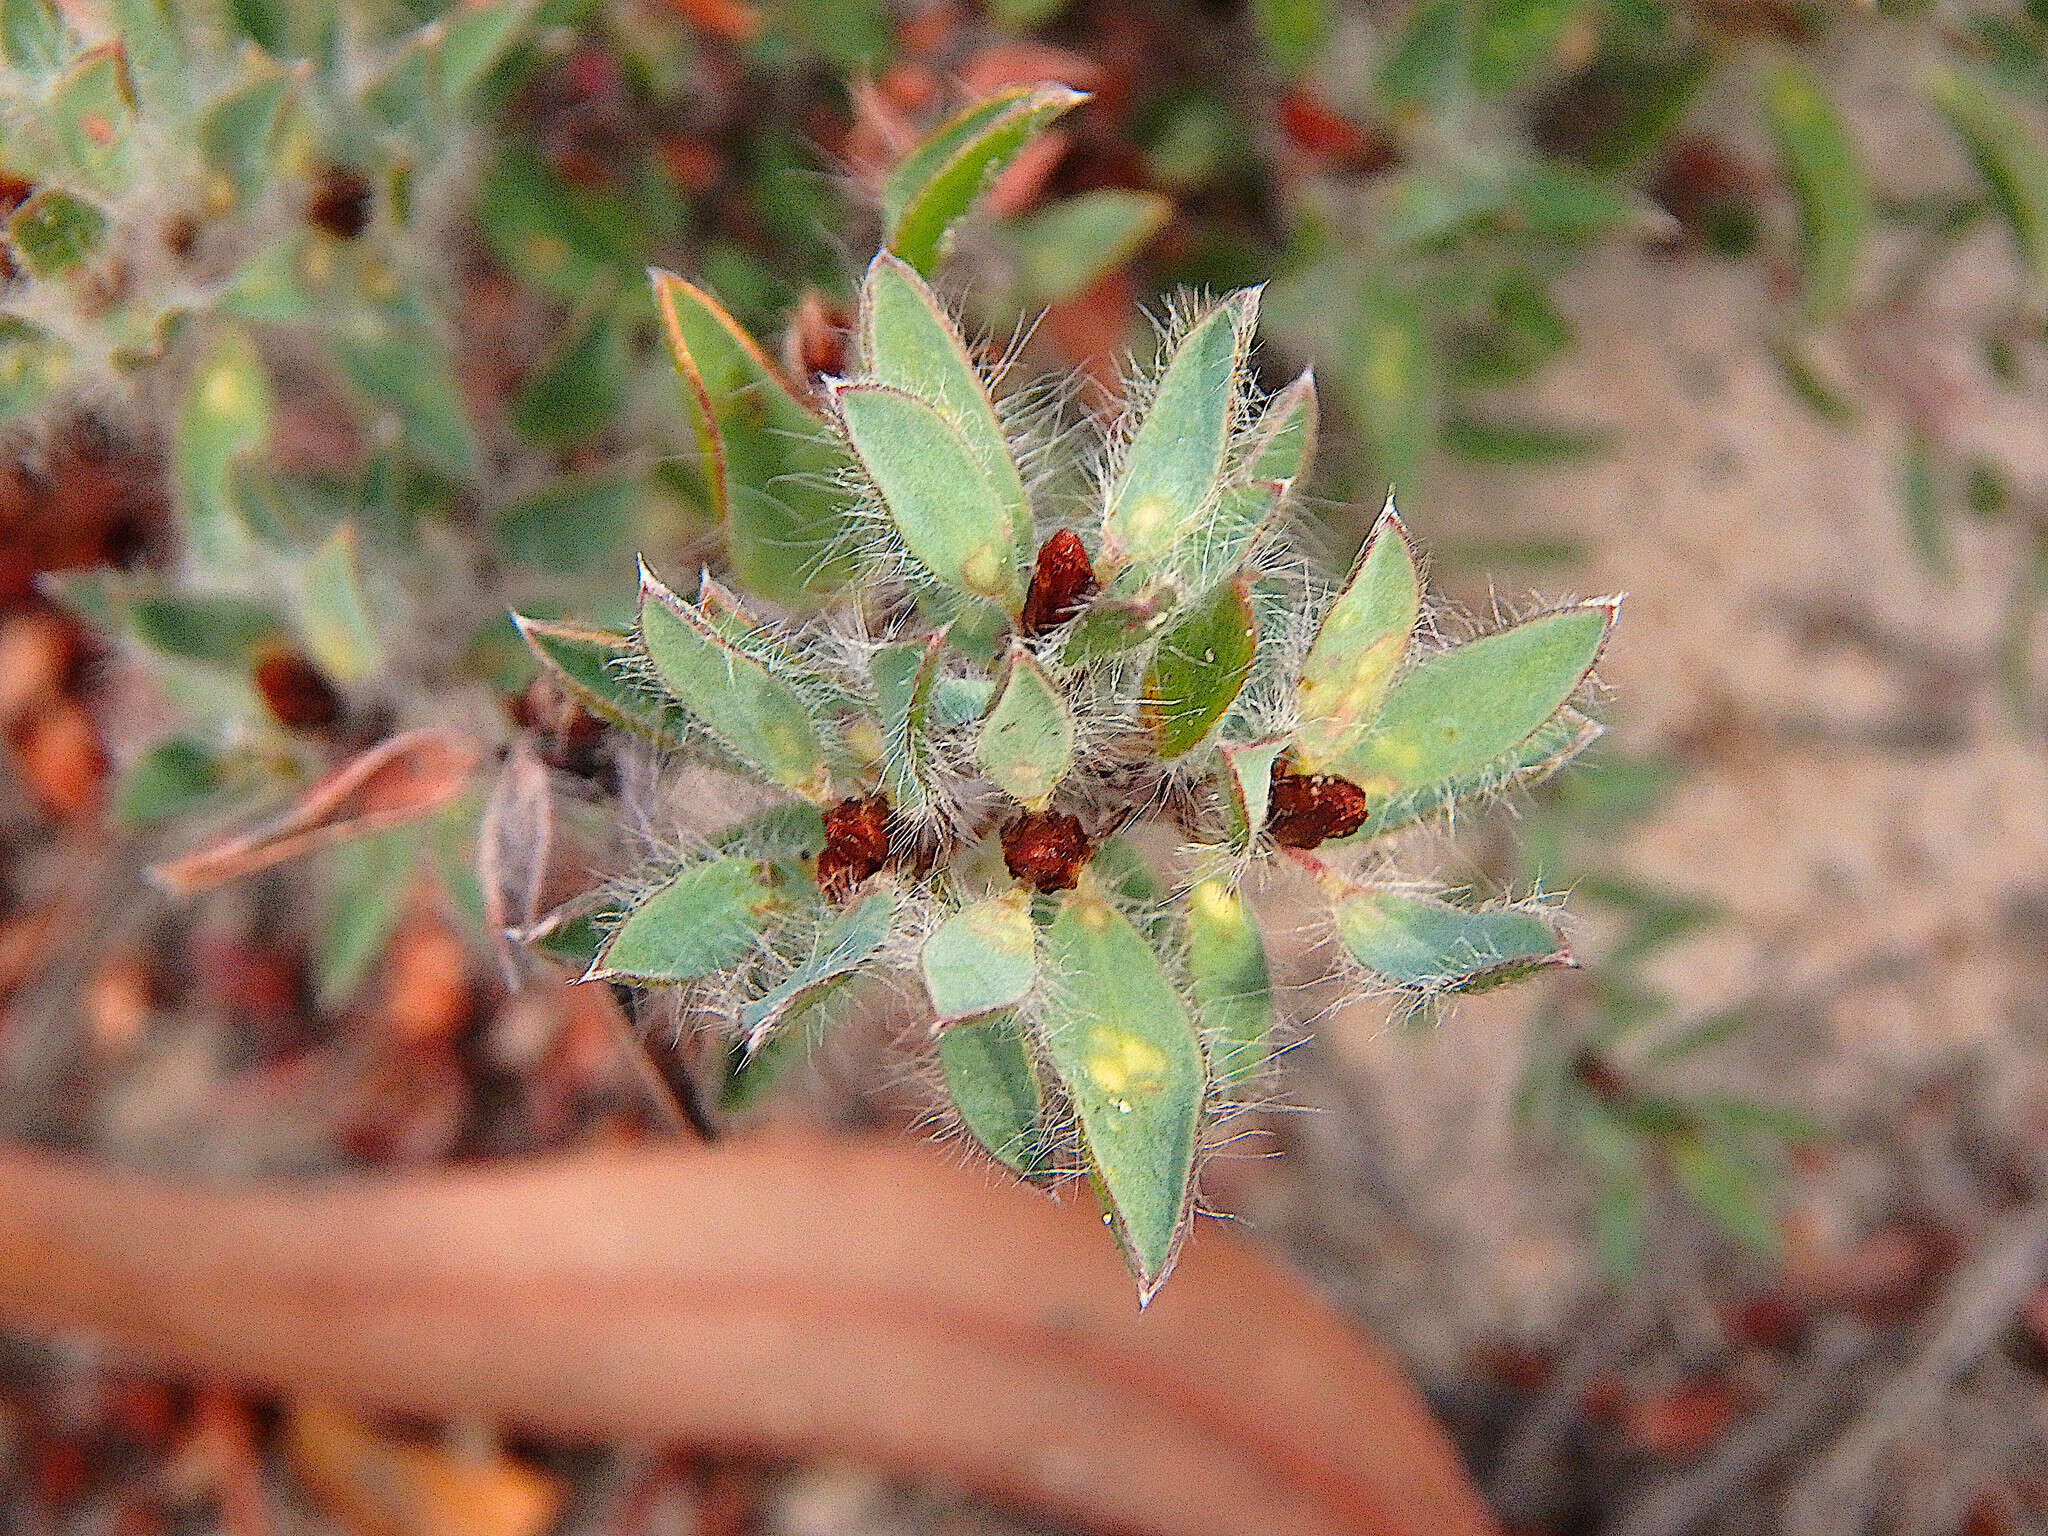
(669, 1085)
(1835, 1497)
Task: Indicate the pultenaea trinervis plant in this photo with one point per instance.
(982, 679)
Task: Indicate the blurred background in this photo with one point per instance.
(1736, 306)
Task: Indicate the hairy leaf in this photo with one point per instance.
(1027, 740)
(981, 958)
(950, 514)
(706, 917)
(1198, 669)
(1227, 964)
(1358, 648)
(993, 1087)
(1457, 710)
(1427, 945)
(935, 184)
(736, 700)
(1121, 1042)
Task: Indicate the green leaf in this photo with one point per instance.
(1425, 945)
(170, 780)
(1428, 56)
(32, 364)
(1826, 177)
(911, 344)
(772, 464)
(759, 718)
(981, 958)
(935, 184)
(1026, 744)
(851, 940)
(1061, 249)
(574, 523)
(1233, 990)
(592, 665)
(473, 39)
(991, 1083)
(580, 387)
(949, 515)
(1549, 748)
(1123, 1046)
(33, 37)
(903, 674)
(1358, 648)
(1513, 39)
(93, 120)
(706, 917)
(153, 48)
(1392, 383)
(1731, 1189)
(1458, 710)
(55, 231)
(214, 629)
(1175, 459)
(236, 136)
(1198, 669)
(397, 362)
(1292, 32)
(1109, 626)
(1249, 765)
(334, 610)
(2010, 158)
(1284, 446)
(226, 414)
(1927, 519)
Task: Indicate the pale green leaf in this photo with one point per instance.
(226, 413)
(911, 343)
(737, 701)
(1426, 945)
(903, 674)
(1829, 191)
(935, 184)
(1061, 249)
(593, 667)
(1027, 741)
(1358, 648)
(771, 463)
(1175, 457)
(334, 610)
(1248, 766)
(848, 943)
(981, 958)
(950, 516)
(1233, 990)
(706, 917)
(1460, 709)
(994, 1089)
(2011, 159)
(1123, 1046)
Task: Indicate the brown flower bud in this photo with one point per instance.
(1061, 582)
(1046, 849)
(856, 844)
(1307, 808)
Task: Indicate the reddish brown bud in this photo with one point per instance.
(341, 203)
(1061, 582)
(856, 844)
(294, 692)
(1307, 808)
(815, 345)
(1046, 849)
